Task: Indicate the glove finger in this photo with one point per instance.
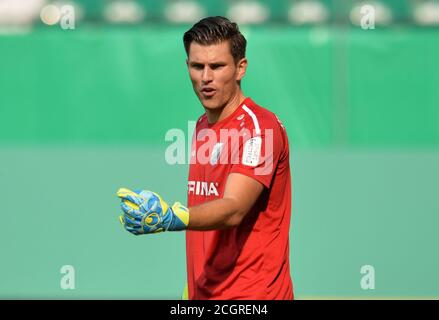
(135, 214)
(136, 199)
(129, 195)
(135, 231)
(132, 223)
(122, 192)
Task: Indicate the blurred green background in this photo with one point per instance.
(85, 111)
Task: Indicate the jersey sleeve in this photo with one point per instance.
(259, 154)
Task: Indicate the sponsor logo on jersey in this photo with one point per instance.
(202, 188)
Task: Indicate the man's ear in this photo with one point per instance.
(241, 68)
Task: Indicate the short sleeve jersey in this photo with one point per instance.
(249, 261)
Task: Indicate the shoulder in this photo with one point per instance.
(260, 118)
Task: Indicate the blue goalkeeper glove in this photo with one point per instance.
(146, 212)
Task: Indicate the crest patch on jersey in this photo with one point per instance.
(216, 153)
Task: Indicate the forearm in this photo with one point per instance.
(146, 212)
(217, 214)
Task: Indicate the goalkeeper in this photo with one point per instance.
(238, 210)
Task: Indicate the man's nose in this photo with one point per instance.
(207, 75)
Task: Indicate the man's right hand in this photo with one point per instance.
(146, 212)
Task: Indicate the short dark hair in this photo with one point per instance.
(214, 30)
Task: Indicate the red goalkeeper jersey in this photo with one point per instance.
(251, 260)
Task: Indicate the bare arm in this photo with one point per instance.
(241, 193)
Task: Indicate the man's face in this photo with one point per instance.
(214, 73)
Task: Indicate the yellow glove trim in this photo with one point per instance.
(163, 204)
(181, 212)
(185, 294)
(123, 192)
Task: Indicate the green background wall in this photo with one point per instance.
(85, 112)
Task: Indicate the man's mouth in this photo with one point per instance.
(208, 92)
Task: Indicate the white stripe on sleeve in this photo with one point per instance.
(255, 120)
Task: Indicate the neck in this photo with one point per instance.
(219, 114)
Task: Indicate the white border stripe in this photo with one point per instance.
(255, 120)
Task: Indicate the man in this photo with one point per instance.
(239, 188)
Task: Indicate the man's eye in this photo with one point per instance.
(197, 67)
(216, 66)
